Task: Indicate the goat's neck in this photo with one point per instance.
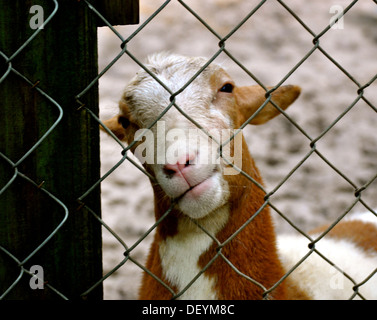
(181, 248)
(252, 251)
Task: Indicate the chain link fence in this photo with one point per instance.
(318, 162)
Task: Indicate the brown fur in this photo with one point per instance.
(361, 233)
(253, 250)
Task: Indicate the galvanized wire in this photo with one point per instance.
(222, 48)
(15, 165)
(312, 141)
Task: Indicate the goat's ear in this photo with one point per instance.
(249, 99)
(117, 125)
(120, 125)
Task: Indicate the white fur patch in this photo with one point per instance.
(180, 255)
(366, 217)
(318, 278)
(219, 115)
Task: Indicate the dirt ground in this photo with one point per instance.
(270, 44)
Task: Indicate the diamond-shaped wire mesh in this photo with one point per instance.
(267, 43)
(318, 159)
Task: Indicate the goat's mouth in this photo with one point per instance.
(204, 197)
(200, 188)
(197, 189)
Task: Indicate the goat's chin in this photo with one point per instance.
(205, 198)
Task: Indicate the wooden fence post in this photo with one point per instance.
(61, 61)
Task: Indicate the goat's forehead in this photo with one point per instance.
(174, 72)
(146, 97)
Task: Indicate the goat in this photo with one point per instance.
(210, 201)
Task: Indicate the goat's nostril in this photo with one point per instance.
(171, 169)
(169, 172)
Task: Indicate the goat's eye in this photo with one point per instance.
(228, 88)
(124, 122)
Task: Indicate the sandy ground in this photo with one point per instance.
(269, 44)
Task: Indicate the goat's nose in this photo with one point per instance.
(181, 165)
